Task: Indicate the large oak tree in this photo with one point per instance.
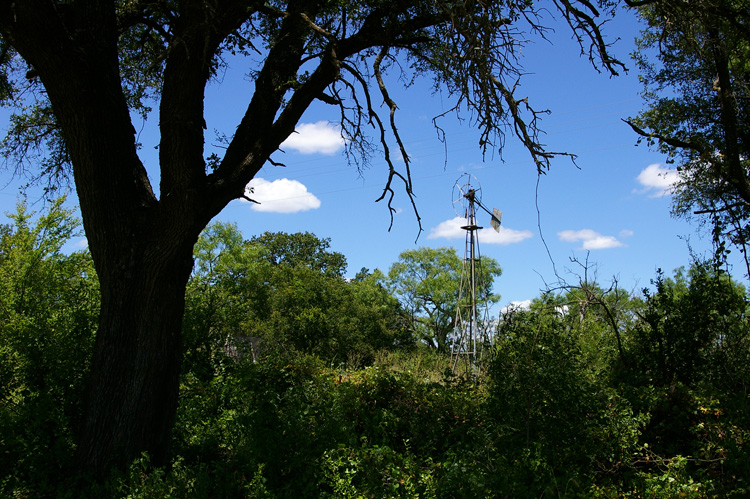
(86, 66)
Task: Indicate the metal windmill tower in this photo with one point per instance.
(469, 329)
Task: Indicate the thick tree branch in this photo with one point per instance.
(240, 163)
(198, 34)
(670, 141)
(258, 135)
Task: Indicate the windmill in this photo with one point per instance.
(470, 331)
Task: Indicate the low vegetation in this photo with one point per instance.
(299, 383)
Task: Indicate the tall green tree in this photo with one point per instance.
(82, 69)
(301, 249)
(336, 320)
(289, 294)
(428, 282)
(697, 92)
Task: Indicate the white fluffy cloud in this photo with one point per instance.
(656, 180)
(280, 196)
(311, 138)
(517, 305)
(451, 229)
(591, 240)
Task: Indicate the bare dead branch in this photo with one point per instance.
(580, 21)
(527, 134)
(392, 113)
(276, 163)
(393, 173)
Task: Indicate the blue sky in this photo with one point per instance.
(612, 208)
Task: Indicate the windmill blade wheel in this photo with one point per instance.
(463, 195)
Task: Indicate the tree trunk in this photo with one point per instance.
(134, 379)
(141, 245)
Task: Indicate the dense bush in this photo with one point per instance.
(689, 373)
(561, 430)
(297, 420)
(48, 312)
(587, 394)
(694, 329)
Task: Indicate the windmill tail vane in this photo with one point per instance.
(496, 216)
(496, 220)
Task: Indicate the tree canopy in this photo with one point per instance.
(697, 90)
(284, 292)
(146, 53)
(301, 249)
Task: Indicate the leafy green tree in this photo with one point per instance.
(427, 281)
(283, 291)
(311, 312)
(370, 289)
(301, 249)
(312, 308)
(228, 289)
(82, 71)
(697, 92)
(48, 311)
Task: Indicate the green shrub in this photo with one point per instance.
(375, 471)
(49, 303)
